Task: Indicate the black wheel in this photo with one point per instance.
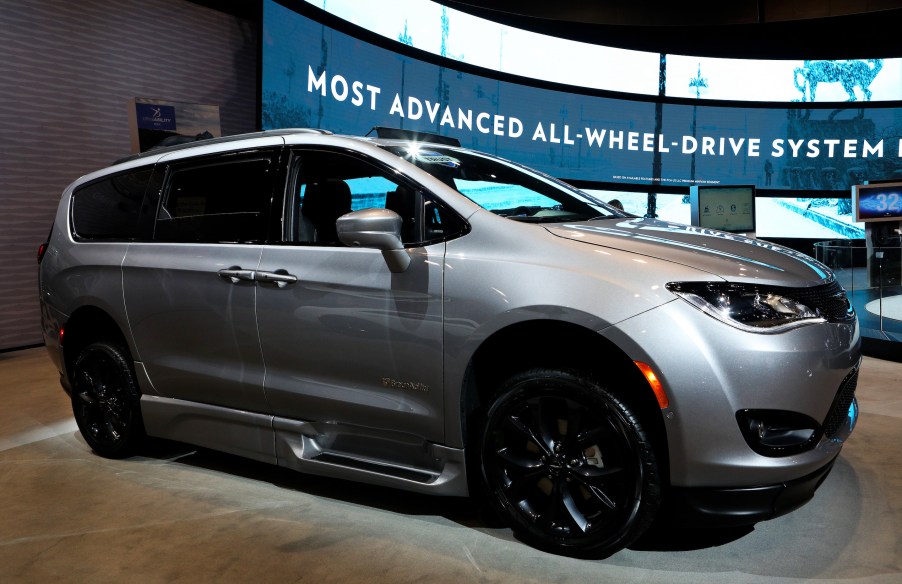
(568, 465)
(106, 401)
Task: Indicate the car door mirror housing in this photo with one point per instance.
(378, 229)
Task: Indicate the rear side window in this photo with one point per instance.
(225, 201)
(108, 209)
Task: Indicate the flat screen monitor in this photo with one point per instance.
(877, 202)
(723, 207)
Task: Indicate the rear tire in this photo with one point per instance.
(106, 401)
(568, 465)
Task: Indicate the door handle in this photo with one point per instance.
(235, 274)
(280, 278)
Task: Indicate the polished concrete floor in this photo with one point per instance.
(179, 514)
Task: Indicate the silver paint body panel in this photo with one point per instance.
(354, 371)
(194, 331)
(331, 339)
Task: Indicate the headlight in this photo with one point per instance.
(750, 308)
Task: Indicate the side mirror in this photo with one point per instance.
(378, 229)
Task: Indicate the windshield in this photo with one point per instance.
(503, 187)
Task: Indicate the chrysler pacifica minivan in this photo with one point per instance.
(423, 316)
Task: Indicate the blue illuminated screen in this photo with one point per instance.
(879, 202)
(313, 75)
(466, 38)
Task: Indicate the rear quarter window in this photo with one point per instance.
(108, 208)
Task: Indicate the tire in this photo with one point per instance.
(568, 465)
(106, 401)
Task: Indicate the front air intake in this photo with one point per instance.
(839, 411)
(776, 433)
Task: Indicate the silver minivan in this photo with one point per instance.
(419, 315)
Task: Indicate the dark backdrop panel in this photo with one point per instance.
(68, 74)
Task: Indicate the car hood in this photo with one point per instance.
(734, 258)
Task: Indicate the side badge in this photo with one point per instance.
(408, 385)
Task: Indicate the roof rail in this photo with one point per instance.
(414, 135)
(221, 140)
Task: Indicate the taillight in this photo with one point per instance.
(42, 249)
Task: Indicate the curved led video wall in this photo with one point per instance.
(456, 35)
(317, 76)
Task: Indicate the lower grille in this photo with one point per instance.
(841, 403)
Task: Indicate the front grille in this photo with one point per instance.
(841, 403)
(829, 298)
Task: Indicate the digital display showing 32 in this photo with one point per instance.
(879, 202)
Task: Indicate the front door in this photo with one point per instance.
(348, 341)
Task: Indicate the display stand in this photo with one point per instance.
(884, 253)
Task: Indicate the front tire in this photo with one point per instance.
(106, 401)
(568, 465)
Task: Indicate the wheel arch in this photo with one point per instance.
(553, 344)
(88, 324)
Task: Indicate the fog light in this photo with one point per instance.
(778, 432)
(760, 427)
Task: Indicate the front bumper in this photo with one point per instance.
(732, 507)
(711, 371)
(724, 507)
